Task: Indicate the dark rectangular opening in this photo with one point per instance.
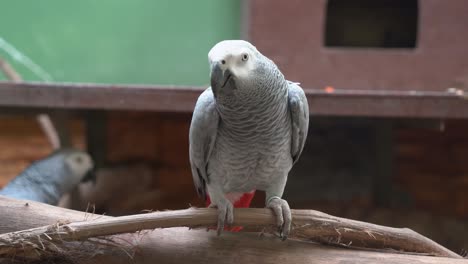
(371, 23)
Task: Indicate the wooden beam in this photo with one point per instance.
(391, 103)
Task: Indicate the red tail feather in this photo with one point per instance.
(243, 202)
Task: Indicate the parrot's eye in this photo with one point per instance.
(223, 62)
(78, 160)
(245, 57)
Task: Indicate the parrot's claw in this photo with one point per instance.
(283, 215)
(225, 215)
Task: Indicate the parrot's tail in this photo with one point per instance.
(239, 200)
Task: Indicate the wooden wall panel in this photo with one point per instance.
(432, 166)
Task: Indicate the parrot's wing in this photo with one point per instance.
(299, 109)
(202, 136)
(31, 185)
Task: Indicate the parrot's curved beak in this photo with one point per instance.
(90, 176)
(219, 78)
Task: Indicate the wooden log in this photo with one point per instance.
(177, 245)
(308, 225)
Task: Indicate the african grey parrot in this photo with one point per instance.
(48, 179)
(247, 131)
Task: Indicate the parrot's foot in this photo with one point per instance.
(283, 215)
(225, 215)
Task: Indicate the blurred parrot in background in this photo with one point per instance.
(247, 131)
(48, 179)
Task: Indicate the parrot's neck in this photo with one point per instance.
(257, 113)
(258, 95)
(60, 179)
(257, 104)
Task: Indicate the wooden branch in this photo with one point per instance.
(308, 225)
(8, 71)
(45, 122)
(179, 245)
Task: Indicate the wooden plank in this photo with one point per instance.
(392, 103)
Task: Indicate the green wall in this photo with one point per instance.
(117, 41)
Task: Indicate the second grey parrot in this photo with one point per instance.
(48, 179)
(247, 131)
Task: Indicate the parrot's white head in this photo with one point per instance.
(234, 65)
(80, 164)
(236, 56)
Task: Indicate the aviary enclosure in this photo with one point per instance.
(384, 172)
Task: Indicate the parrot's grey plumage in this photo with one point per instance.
(48, 179)
(247, 130)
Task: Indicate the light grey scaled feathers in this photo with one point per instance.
(299, 108)
(46, 180)
(202, 138)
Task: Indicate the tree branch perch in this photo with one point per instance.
(308, 225)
